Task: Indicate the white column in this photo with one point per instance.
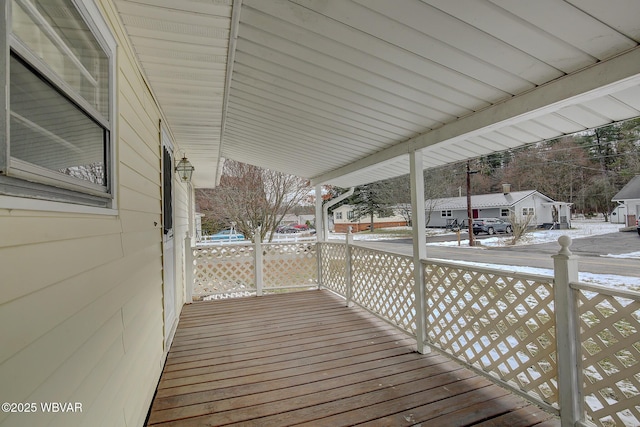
(348, 277)
(188, 269)
(565, 266)
(418, 225)
(320, 226)
(257, 266)
(320, 233)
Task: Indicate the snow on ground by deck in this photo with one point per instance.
(579, 230)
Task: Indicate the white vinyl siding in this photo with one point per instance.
(84, 292)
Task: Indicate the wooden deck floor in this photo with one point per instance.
(305, 359)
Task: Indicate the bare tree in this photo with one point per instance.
(519, 226)
(250, 197)
(92, 172)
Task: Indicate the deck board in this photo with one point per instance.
(305, 359)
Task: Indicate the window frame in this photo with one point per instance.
(46, 188)
(505, 212)
(446, 213)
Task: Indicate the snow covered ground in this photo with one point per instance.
(579, 230)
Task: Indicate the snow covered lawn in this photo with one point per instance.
(580, 229)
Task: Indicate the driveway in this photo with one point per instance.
(593, 252)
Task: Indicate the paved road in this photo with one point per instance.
(589, 249)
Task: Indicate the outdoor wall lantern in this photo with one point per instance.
(185, 169)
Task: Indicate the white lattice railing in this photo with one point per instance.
(498, 322)
(333, 267)
(223, 271)
(289, 265)
(382, 282)
(609, 343)
(501, 323)
(573, 348)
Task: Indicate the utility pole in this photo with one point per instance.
(469, 211)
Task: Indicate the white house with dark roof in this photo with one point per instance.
(628, 199)
(441, 212)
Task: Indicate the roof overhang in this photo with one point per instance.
(341, 91)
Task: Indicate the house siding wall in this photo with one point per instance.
(437, 220)
(542, 213)
(81, 299)
(361, 226)
(342, 225)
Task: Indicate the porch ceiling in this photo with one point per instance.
(339, 91)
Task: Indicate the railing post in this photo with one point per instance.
(319, 260)
(565, 266)
(418, 225)
(258, 263)
(188, 269)
(349, 290)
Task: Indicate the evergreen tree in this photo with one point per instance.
(372, 199)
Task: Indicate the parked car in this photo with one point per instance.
(286, 229)
(228, 235)
(638, 227)
(491, 226)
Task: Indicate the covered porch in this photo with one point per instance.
(345, 93)
(341, 93)
(569, 348)
(304, 358)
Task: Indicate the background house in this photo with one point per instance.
(344, 217)
(441, 212)
(629, 199)
(293, 219)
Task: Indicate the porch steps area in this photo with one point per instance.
(303, 358)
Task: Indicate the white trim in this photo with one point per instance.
(22, 203)
(93, 18)
(233, 40)
(50, 32)
(103, 34)
(169, 258)
(25, 170)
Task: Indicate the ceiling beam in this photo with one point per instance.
(614, 74)
(231, 55)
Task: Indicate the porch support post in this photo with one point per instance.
(320, 233)
(347, 273)
(188, 269)
(257, 266)
(565, 266)
(320, 229)
(418, 226)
